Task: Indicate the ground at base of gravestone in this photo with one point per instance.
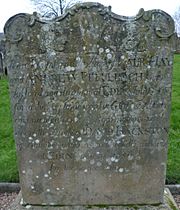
(6, 200)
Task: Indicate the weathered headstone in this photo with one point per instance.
(2, 54)
(1, 64)
(177, 44)
(90, 94)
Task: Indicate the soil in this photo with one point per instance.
(6, 199)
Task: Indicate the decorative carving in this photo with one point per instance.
(13, 28)
(163, 28)
(15, 35)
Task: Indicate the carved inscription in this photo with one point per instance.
(110, 98)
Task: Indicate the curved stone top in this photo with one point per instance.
(168, 22)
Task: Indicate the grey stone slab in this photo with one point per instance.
(91, 94)
(1, 64)
(174, 189)
(169, 204)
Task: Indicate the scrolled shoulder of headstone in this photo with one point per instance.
(163, 23)
(16, 27)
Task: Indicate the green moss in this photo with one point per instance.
(102, 206)
(171, 204)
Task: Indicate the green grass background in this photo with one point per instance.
(8, 164)
(173, 165)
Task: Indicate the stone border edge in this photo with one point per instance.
(175, 189)
(6, 187)
(9, 187)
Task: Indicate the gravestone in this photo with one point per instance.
(1, 64)
(177, 44)
(91, 94)
(2, 54)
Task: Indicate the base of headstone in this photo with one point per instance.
(169, 204)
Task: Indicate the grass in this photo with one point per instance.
(8, 164)
(173, 165)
